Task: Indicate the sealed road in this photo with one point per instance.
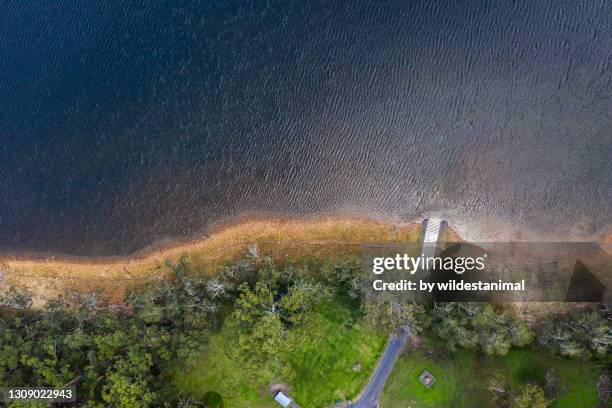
(371, 395)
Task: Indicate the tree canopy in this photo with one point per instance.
(112, 354)
(479, 326)
(530, 396)
(581, 334)
(262, 329)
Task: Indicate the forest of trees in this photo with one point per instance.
(121, 355)
(479, 326)
(114, 355)
(583, 334)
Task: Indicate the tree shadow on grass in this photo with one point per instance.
(213, 400)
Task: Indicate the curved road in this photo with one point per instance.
(371, 395)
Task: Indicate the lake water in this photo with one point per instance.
(125, 123)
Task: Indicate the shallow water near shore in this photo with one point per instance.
(123, 126)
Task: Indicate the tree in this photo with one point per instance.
(497, 385)
(388, 311)
(582, 334)
(345, 274)
(262, 328)
(16, 299)
(479, 326)
(531, 396)
(553, 387)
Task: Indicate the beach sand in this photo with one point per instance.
(282, 238)
(48, 276)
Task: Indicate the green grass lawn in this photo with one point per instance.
(462, 377)
(323, 366)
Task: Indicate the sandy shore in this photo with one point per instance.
(47, 276)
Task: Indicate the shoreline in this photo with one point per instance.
(48, 275)
(215, 230)
(486, 229)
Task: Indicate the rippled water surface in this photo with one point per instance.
(123, 123)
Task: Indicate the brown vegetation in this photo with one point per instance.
(46, 277)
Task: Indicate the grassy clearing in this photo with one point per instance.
(323, 366)
(462, 377)
(217, 374)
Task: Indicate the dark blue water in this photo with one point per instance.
(123, 123)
